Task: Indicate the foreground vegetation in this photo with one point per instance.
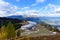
(7, 32)
(49, 37)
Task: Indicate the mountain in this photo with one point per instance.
(14, 21)
(55, 21)
(49, 20)
(25, 18)
(16, 17)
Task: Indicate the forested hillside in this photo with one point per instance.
(15, 22)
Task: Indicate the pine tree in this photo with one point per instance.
(50, 27)
(56, 29)
(10, 30)
(18, 33)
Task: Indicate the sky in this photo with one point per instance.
(30, 8)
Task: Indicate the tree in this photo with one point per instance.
(18, 33)
(3, 29)
(3, 33)
(10, 30)
(56, 29)
(50, 27)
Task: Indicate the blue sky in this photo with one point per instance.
(31, 8)
(29, 3)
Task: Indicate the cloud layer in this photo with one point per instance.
(37, 2)
(40, 1)
(6, 8)
(17, 0)
(50, 10)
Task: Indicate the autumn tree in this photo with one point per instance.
(3, 34)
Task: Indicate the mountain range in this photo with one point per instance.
(15, 22)
(50, 20)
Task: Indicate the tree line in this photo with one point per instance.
(8, 32)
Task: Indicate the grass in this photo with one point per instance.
(42, 31)
(43, 34)
(49, 37)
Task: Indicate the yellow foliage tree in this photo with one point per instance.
(3, 33)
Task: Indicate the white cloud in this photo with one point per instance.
(25, 8)
(50, 11)
(31, 13)
(27, 13)
(50, 8)
(6, 8)
(37, 2)
(17, 0)
(17, 14)
(50, 15)
(40, 1)
(34, 4)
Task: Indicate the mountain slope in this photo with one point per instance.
(50, 20)
(15, 22)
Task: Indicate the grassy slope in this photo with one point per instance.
(42, 31)
(40, 35)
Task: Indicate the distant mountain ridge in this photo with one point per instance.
(15, 22)
(49, 20)
(16, 17)
(38, 19)
(25, 18)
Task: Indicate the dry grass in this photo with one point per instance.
(42, 31)
(40, 35)
(50, 37)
